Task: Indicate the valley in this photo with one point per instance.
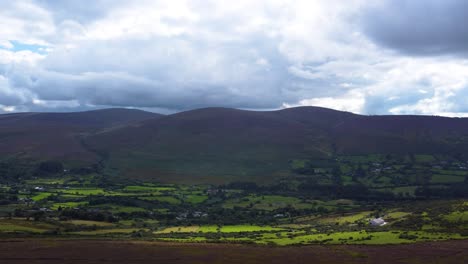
(306, 181)
(420, 197)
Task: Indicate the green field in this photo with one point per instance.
(19, 225)
(114, 231)
(216, 229)
(56, 206)
(164, 199)
(457, 216)
(195, 199)
(346, 219)
(148, 189)
(41, 196)
(361, 237)
(85, 191)
(265, 202)
(88, 223)
(439, 178)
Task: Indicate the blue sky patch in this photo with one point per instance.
(19, 46)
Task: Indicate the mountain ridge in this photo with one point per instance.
(221, 143)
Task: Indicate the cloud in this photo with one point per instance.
(351, 102)
(419, 27)
(178, 55)
(26, 22)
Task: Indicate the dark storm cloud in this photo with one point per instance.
(419, 27)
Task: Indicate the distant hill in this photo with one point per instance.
(217, 142)
(401, 134)
(221, 144)
(58, 135)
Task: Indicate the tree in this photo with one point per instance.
(336, 176)
(359, 173)
(50, 167)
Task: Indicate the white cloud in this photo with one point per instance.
(350, 102)
(26, 22)
(183, 54)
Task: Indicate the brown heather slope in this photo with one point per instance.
(220, 143)
(401, 134)
(92, 251)
(216, 145)
(57, 135)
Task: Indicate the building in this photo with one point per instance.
(377, 222)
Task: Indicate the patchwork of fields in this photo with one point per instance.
(311, 208)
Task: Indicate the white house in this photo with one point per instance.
(377, 222)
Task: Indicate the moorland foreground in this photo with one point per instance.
(90, 252)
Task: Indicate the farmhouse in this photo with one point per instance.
(377, 222)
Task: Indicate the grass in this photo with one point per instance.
(359, 237)
(439, 178)
(266, 202)
(270, 222)
(116, 209)
(285, 238)
(19, 228)
(222, 229)
(144, 188)
(88, 223)
(41, 196)
(451, 172)
(422, 158)
(248, 228)
(347, 219)
(85, 191)
(164, 199)
(396, 215)
(17, 225)
(108, 231)
(46, 181)
(402, 190)
(178, 229)
(457, 216)
(195, 199)
(56, 206)
(298, 164)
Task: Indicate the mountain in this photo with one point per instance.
(220, 144)
(217, 145)
(401, 134)
(58, 135)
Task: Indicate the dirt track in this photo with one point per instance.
(91, 251)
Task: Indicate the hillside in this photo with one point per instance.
(218, 145)
(58, 135)
(401, 134)
(215, 143)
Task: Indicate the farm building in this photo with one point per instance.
(377, 222)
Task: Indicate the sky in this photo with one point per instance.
(373, 57)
